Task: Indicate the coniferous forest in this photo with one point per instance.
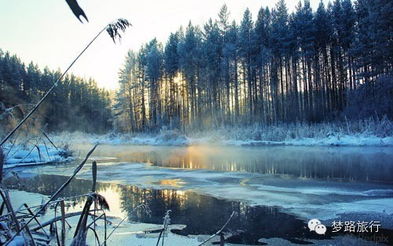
(75, 105)
(278, 67)
(309, 66)
(256, 130)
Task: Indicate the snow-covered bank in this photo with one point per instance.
(22, 155)
(339, 140)
(357, 133)
(169, 138)
(362, 133)
(135, 233)
(345, 140)
(127, 233)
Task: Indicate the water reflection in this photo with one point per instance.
(202, 214)
(370, 164)
(175, 183)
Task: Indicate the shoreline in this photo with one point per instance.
(141, 232)
(174, 139)
(365, 207)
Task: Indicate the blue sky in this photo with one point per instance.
(46, 32)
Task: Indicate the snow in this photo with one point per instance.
(305, 198)
(328, 141)
(326, 199)
(127, 233)
(17, 241)
(170, 138)
(237, 137)
(345, 140)
(17, 156)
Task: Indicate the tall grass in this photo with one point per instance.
(285, 131)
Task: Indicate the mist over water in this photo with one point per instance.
(370, 164)
(203, 184)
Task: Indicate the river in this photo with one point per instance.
(275, 190)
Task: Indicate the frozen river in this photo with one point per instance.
(275, 190)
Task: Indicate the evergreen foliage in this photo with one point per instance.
(305, 66)
(76, 104)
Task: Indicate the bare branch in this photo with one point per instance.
(219, 231)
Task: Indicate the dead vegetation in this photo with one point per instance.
(23, 226)
(26, 226)
(16, 225)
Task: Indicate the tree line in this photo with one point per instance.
(281, 67)
(76, 104)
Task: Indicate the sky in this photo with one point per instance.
(47, 33)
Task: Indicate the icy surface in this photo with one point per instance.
(19, 155)
(320, 182)
(126, 234)
(17, 241)
(307, 182)
(306, 198)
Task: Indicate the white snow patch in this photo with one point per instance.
(17, 241)
(174, 138)
(127, 233)
(307, 198)
(16, 156)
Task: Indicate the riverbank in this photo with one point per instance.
(127, 232)
(202, 184)
(358, 133)
(19, 155)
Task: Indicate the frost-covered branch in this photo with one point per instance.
(114, 29)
